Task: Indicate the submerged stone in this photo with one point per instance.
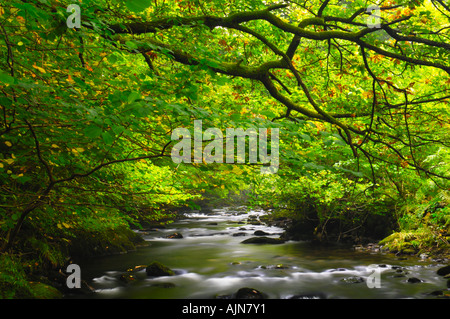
(164, 285)
(263, 240)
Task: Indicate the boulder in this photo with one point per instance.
(239, 234)
(174, 235)
(278, 266)
(249, 293)
(444, 293)
(281, 266)
(260, 233)
(136, 268)
(263, 240)
(444, 271)
(127, 277)
(413, 280)
(156, 269)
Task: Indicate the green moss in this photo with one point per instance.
(40, 290)
(111, 241)
(13, 281)
(157, 269)
(411, 242)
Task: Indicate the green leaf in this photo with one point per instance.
(107, 138)
(131, 44)
(6, 78)
(133, 97)
(93, 131)
(314, 166)
(306, 137)
(137, 5)
(358, 174)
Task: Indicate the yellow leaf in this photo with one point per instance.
(55, 146)
(9, 161)
(8, 143)
(38, 68)
(1, 165)
(77, 150)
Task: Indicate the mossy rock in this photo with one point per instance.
(408, 251)
(156, 269)
(108, 242)
(443, 271)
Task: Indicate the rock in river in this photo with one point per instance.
(174, 235)
(127, 277)
(249, 293)
(263, 240)
(156, 269)
(413, 280)
(444, 271)
(239, 234)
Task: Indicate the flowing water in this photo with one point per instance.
(211, 262)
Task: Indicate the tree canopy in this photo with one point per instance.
(360, 98)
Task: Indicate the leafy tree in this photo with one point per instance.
(87, 113)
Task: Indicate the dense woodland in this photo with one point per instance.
(361, 101)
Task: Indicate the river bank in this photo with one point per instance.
(293, 230)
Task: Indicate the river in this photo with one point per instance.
(211, 262)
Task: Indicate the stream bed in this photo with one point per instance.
(210, 261)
